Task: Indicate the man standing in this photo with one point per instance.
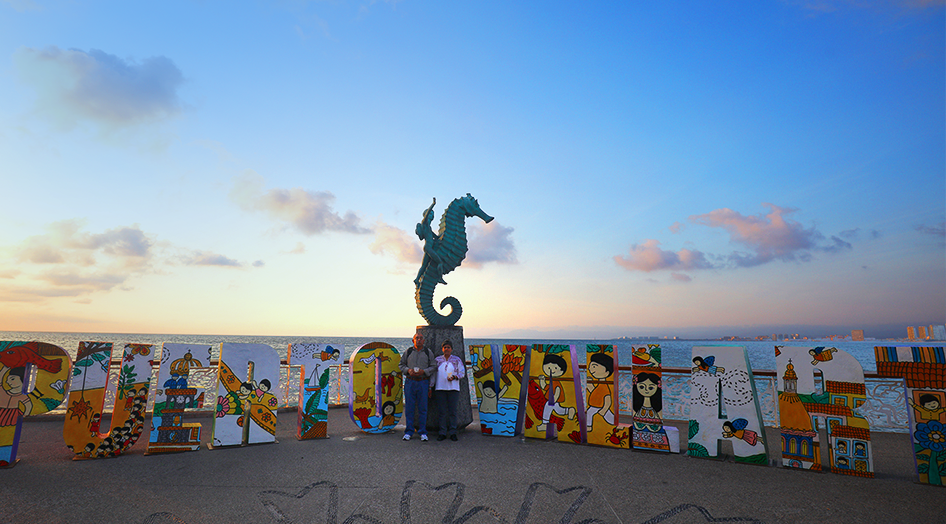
(417, 365)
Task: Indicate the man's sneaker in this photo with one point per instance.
(423, 438)
(407, 437)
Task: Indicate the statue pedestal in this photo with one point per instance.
(433, 338)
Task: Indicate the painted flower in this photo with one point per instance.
(273, 402)
(931, 435)
(223, 406)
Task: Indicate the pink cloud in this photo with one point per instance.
(649, 257)
(308, 211)
(769, 237)
(399, 244)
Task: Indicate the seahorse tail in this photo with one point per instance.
(424, 297)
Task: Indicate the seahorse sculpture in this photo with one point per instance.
(443, 252)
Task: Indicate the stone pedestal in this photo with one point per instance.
(433, 338)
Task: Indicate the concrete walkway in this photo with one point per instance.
(358, 478)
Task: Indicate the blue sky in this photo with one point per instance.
(672, 169)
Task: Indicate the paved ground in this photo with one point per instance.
(358, 478)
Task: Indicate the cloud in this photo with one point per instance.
(307, 211)
(855, 234)
(769, 237)
(649, 257)
(490, 242)
(397, 243)
(201, 258)
(936, 230)
(850, 233)
(66, 261)
(676, 227)
(680, 277)
(94, 281)
(65, 243)
(74, 85)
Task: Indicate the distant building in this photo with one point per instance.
(911, 333)
(857, 335)
(939, 332)
(921, 332)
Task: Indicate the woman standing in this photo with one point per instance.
(450, 370)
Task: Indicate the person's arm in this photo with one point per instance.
(402, 363)
(431, 368)
(461, 368)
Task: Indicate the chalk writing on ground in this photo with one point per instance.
(319, 502)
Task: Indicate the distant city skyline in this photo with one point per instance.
(665, 168)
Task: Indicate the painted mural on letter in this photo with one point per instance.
(169, 433)
(497, 374)
(554, 404)
(375, 397)
(648, 431)
(602, 427)
(724, 405)
(82, 430)
(17, 362)
(247, 395)
(316, 361)
(923, 370)
(803, 406)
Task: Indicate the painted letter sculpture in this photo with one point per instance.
(375, 388)
(721, 381)
(497, 371)
(602, 411)
(317, 361)
(247, 395)
(801, 406)
(169, 433)
(924, 373)
(82, 430)
(443, 252)
(17, 400)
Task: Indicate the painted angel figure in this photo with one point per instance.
(431, 246)
(707, 365)
(821, 354)
(737, 429)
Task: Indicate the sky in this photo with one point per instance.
(676, 169)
